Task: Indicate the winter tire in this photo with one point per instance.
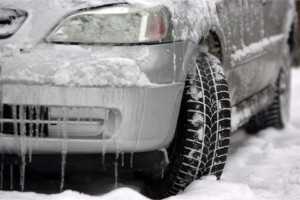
(203, 132)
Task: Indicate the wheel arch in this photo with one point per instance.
(216, 38)
(213, 37)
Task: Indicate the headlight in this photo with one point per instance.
(10, 21)
(115, 25)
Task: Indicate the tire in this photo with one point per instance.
(202, 138)
(278, 113)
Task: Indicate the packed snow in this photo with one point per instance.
(261, 167)
(255, 48)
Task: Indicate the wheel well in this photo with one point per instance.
(213, 42)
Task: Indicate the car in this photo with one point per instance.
(156, 86)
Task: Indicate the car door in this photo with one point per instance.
(253, 61)
(275, 15)
(242, 22)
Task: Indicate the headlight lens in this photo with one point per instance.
(10, 21)
(115, 24)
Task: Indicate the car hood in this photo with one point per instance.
(54, 6)
(190, 18)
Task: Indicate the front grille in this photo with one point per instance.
(24, 120)
(54, 121)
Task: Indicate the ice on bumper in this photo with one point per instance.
(111, 71)
(92, 71)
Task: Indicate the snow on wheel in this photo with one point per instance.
(220, 117)
(277, 114)
(203, 131)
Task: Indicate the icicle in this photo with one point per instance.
(131, 159)
(167, 161)
(42, 114)
(23, 173)
(38, 117)
(31, 112)
(31, 109)
(103, 155)
(64, 150)
(22, 141)
(122, 159)
(11, 176)
(166, 155)
(14, 113)
(162, 175)
(116, 172)
(1, 115)
(63, 170)
(23, 147)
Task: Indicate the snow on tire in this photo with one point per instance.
(203, 131)
(220, 117)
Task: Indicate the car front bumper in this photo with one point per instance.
(145, 117)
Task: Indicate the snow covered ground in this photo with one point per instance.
(262, 167)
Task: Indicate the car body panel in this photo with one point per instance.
(252, 51)
(45, 61)
(135, 128)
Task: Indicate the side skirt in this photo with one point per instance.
(242, 112)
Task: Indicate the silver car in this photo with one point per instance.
(155, 86)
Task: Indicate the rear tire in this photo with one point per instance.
(278, 113)
(202, 138)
